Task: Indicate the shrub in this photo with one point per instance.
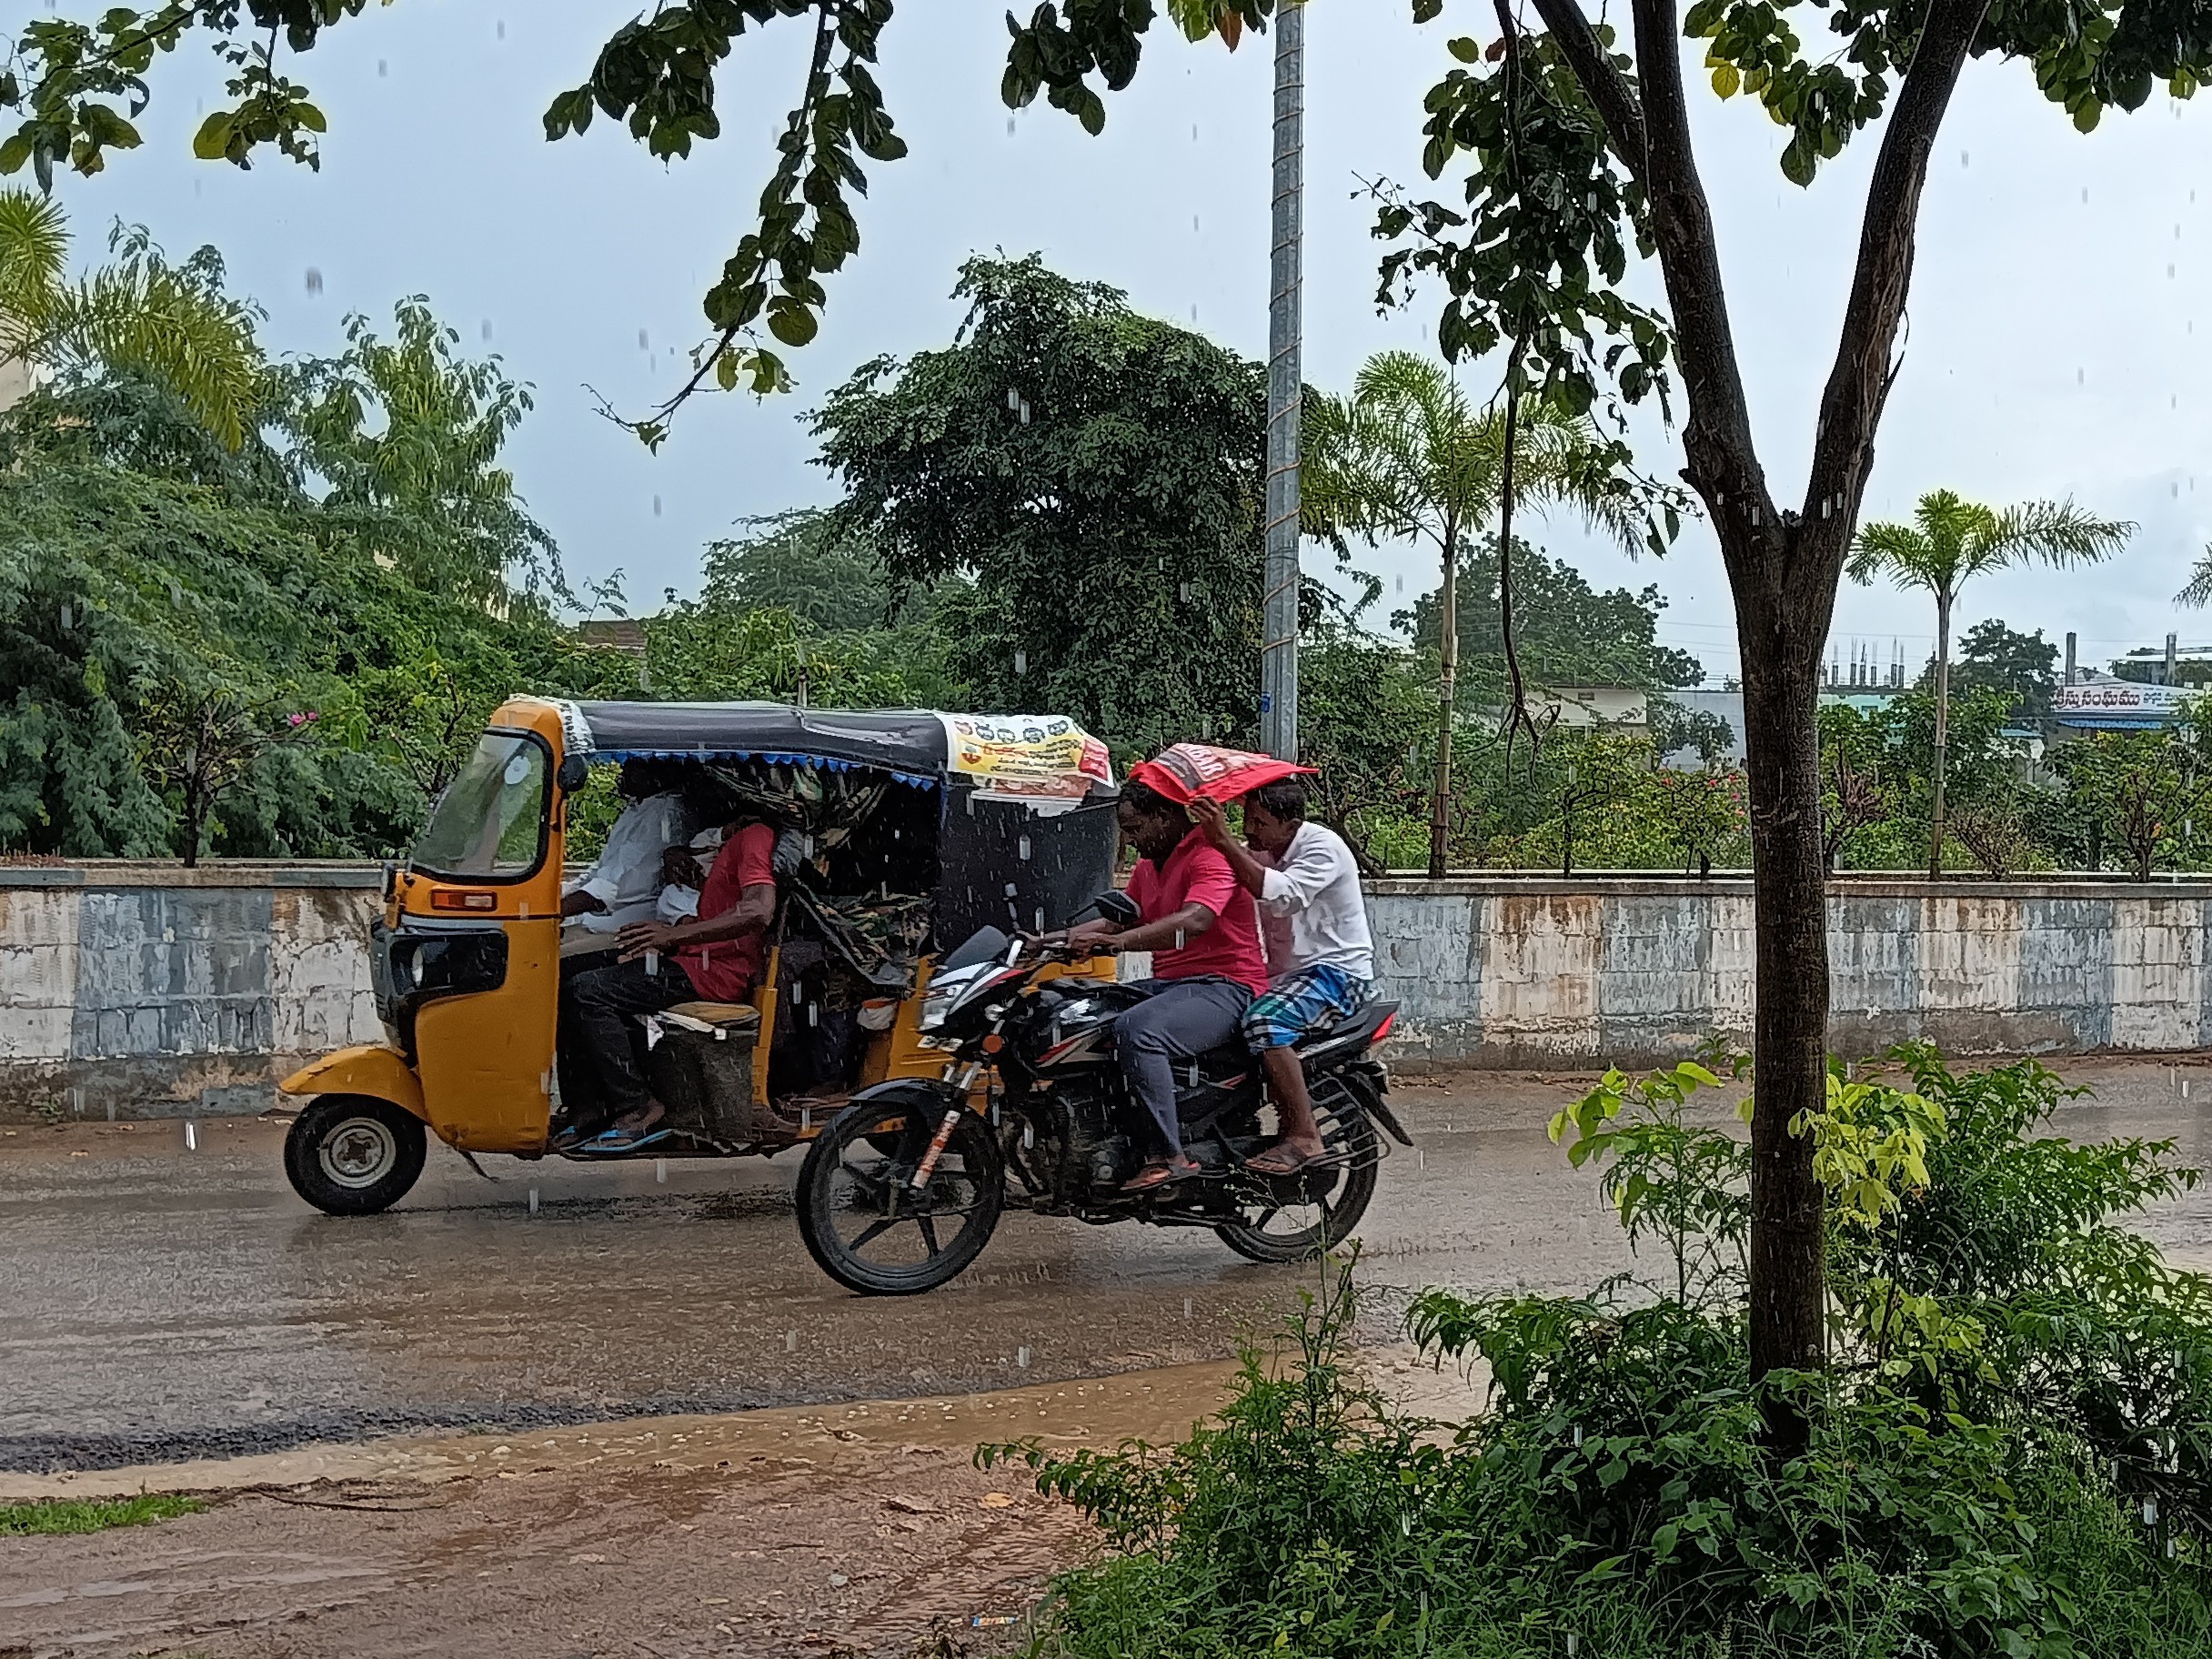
(2008, 1450)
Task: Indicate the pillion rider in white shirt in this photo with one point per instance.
(624, 883)
(1321, 961)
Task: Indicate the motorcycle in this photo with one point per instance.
(903, 1189)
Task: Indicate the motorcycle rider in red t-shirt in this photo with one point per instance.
(1204, 932)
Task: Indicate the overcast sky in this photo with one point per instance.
(2054, 348)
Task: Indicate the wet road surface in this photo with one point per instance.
(157, 1303)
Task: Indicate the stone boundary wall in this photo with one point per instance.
(153, 991)
(1518, 972)
(150, 990)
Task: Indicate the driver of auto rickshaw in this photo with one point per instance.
(1203, 931)
(715, 955)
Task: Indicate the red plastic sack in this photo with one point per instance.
(1184, 771)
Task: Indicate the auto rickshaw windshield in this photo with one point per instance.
(490, 823)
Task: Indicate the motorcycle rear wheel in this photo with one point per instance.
(1321, 1208)
(861, 1219)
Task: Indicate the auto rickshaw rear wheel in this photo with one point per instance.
(864, 1221)
(354, 1155)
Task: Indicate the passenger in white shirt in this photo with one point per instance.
(1320, 954)
(625, 882)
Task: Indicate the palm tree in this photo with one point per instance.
(1407, 457)
(170, 322)
(1950, 540)
(2198, 593)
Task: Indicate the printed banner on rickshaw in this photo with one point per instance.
(1042, 755)
(1184, 771)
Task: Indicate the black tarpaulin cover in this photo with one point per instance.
(907, 742)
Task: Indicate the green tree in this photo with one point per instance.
(410, 431)
(1565, 633)
(706, 653)
(148, 571)
(1857, 791)
(1096, 474)
(201, 740)
(137, 314)
(1366, 723)
(1949, 542)
(2144, 789)
(1410, 457)
(2024, 667)
(804, 562)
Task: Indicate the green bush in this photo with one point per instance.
(2008, 1451)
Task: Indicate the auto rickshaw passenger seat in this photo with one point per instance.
(720, 1013)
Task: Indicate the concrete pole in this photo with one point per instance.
(2070, 645)
(1279, 655)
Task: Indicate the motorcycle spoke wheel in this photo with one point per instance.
(1291, 1218)
(867, 1225)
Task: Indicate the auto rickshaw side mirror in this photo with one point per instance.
(574, 771)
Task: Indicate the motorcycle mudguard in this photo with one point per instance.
(1388, 1119)
(1372, 1096)
(368, 1069)
(919, 1091)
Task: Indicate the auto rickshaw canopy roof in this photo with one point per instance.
(1018, 753)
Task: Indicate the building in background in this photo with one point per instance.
(1579, 707)
(1728, 707)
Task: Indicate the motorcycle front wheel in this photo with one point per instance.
(865, 1223)
(1292, 1218)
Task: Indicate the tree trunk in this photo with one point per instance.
(1782, 571)
(193, 809)
(1447, 682)
(1943, 728)
(1788, 1267)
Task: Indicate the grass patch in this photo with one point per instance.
(53, 1516)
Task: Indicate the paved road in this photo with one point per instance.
(159, 1303)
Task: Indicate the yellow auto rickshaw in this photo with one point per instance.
(915, 829)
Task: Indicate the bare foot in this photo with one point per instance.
(638, 1122)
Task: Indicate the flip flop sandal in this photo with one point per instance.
(619, 1141)
(1322, 1160)
(1159, 1173)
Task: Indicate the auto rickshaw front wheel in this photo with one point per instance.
(354, 1155)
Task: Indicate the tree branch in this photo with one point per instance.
(1851, 407)
(1608, 88)
(1723, 462)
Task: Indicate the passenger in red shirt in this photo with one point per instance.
(715, 957)
(1204, 932)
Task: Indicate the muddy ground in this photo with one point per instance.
(860, 1529)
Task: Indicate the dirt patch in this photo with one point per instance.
(851, 1530)
(855, 1530)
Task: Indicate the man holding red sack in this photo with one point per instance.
(1203, 931)
(1320, 953)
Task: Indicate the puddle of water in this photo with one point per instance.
(1155, 1406)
